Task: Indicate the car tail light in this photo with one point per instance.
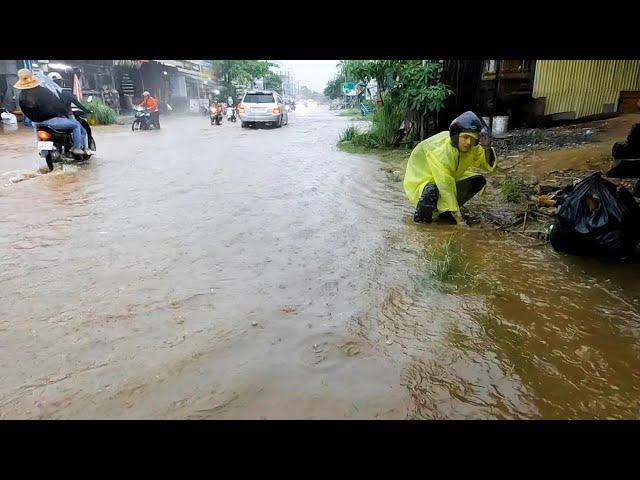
(240, 108)
(44, 136)
(277, 110)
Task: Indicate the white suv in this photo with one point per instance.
(262, 106)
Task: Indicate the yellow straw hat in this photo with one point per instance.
(26, 80)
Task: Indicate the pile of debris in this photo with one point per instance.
(582, 212)
(595, 216)
(626, 171)
(522, 141)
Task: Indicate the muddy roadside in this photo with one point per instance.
(533, 165)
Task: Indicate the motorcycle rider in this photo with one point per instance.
(41, 103)
(230, 105)
(151, 104)
(69, 99)
(229, 109)
(221, 111)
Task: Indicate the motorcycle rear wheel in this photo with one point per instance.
(49, 159)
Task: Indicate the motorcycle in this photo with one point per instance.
(231, 114)
(53, 144)
(142, 120)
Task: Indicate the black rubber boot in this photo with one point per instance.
(447, 216)
(468, 188)
(427, 204)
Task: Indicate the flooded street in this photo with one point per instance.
(216, 272)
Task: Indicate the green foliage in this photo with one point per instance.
(515, 190)
(412, 87)
(352, 112)
(334, 87)
(445, 267)
(367, 70)
(383, 132)
(386, 122)
(272, 81)
(445, 261)
(349, 134)
(243, 71)
(417, 87)
(412, 84)
(103, 113)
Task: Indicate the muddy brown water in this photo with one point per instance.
(220, 272)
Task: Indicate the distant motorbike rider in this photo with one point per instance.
(230, 109)
(41, 103)
(151, 104)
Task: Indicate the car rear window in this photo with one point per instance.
(259, 98)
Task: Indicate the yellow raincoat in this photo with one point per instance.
(436, 160)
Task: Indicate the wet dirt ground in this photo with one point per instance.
(207, 272)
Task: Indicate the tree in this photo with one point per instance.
(413, 85)
(334, 87)
(308, 94)
(272, 81)
(244, 71)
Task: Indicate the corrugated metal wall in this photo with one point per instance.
(583, 86)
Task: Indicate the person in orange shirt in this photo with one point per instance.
(151, 104)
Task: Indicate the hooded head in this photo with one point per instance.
(465, 131)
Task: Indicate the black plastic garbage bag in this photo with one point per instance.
(629, 148)
(622, 150)
(625, 168)
(627, 156)
(633, 139)
(597, 219)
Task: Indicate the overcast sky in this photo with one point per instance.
(313, 73)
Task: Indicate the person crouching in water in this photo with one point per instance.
(438, 180)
